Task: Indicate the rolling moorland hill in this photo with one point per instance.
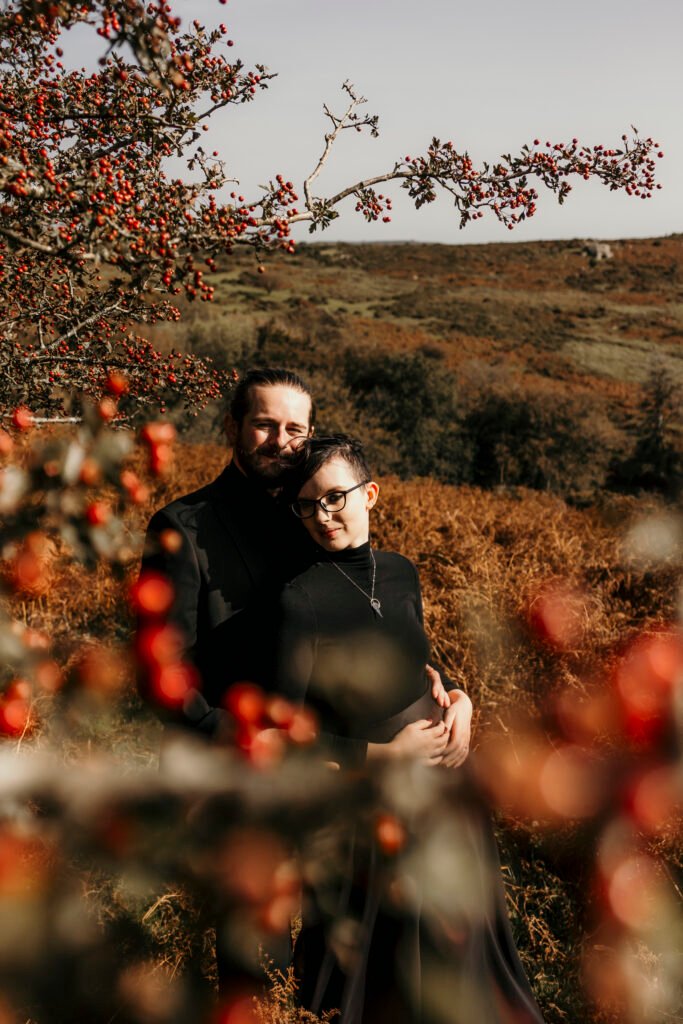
(545, 308)
(533, 364)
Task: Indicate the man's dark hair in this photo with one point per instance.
(316, 451)
(268, 377)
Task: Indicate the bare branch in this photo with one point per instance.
(339, 124)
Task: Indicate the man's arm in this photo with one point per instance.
(169, 551)
(458, 719)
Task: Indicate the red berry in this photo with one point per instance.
(246, 702)
(158, 433)
(98, 513)
(22, 418)
(171, 541)
(107, 409)
(160, 458)
(159, 644)
(170, 684)
(152, 594)
(116, 384)
(6, 443)
(304, 727)
(390, 833)
(15, 716)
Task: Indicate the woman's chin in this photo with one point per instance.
(335, 540)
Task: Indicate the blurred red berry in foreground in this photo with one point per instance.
(556, 615)
(15, 715)
(246, 702)
(645, 680)
(116, 384)
(391, 834)
(152, 594)
(170, 684)
(98, 513)
(22, 418)
(6, 443)
(159, 644)
(158, 433)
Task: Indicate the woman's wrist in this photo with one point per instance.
(380, 751)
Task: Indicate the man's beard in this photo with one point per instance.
(262, 467)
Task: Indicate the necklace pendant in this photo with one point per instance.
(376, 606)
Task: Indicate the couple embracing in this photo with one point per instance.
(282, 540)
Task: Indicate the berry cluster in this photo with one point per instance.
(504, 187)
(93, 231)
(96, 236)
(373, 205)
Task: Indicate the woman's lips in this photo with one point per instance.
(327, 534)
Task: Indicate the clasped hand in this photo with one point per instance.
(444, 743)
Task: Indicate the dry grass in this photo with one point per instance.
(482, 558)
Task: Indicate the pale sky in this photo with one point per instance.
(488, 76)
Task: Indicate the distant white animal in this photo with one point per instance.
(598, 251)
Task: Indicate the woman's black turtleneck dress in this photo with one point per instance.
(356, 668)
(364, 675)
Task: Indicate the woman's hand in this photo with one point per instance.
(439, 691)
(458, 722)
(420, 741)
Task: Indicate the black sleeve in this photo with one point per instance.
(447, 682)
(295, 662)
(179, 565)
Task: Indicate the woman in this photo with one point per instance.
(391, 943)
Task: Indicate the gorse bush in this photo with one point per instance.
(522, 436)
(655, 460)
(481, 426)
(413, 399)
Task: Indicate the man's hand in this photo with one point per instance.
(439, 692)
(458, 720)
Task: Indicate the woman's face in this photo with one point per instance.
(350, 526)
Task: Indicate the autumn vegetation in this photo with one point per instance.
(558, 621)
(527, 476)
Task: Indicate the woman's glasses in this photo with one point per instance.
(335, 501)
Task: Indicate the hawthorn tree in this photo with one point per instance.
(97, 237)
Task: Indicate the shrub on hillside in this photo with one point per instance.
(413, 399)
(655, 461)
(525, 437)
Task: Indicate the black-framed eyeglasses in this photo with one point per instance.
(335, 501)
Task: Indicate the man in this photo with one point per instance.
(233, 544)
(231, 541)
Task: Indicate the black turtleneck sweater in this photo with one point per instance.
(236, 546)
(354, 667)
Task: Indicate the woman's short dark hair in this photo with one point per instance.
(316, 451)
(268, 377)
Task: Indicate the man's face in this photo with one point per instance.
(264, 442)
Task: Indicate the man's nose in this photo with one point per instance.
(282, 438)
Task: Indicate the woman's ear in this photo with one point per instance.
(371, 494)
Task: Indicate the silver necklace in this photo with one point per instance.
(375, 603)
